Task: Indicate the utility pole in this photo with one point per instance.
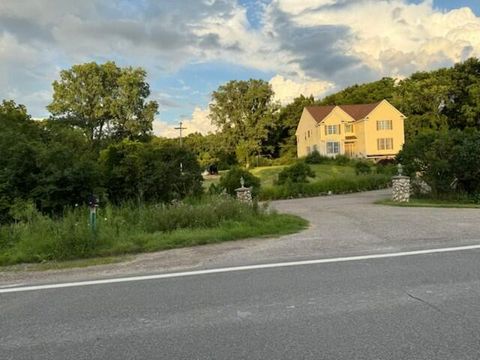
(180, 128)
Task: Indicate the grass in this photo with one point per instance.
(131, 229)
(435, 203)
(340, 185)
(269, 174)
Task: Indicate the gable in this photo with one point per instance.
(306, 122)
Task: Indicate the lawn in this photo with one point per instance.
(329, 179)
(268, 174)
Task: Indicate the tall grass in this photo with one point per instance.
(131, 228)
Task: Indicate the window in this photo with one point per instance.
(308, 149)
(348, 128)
(315, 148)
(332, 129)
(384, 125)
(333, 147)
(385, 144)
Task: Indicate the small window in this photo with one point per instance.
(308, 149)
(333, 147)
(315, 148)
(348, 128)
(384, 125)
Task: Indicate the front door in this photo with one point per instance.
(349, 149)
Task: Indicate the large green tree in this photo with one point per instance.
(288, 119)
(244, 112)
(104, 100)
(153, 171)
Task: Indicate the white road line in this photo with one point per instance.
(10, 285)
(237, 268)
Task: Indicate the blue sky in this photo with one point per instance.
(189, 48)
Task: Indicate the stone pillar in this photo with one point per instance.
(401, 188)
(244, 194)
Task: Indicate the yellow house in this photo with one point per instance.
(364, 130)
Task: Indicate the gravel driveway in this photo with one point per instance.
(340, 225)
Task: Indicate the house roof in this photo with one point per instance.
(357, 111)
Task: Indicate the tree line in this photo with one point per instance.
(99, 138)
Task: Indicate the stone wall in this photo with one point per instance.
(401, 188)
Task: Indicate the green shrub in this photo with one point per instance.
(315, 158)
(362, 168)
(387, 169)
(296, 173)
(341, 160)
(231, 180)
(448, 161)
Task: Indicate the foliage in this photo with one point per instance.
(231, 180)
(104, 100)
(149, 172)
(131, 228)
(210, 149)
(447, 161)
(296, 173)
(48, 164)
(244, 112)
(362, 168)
(288, 118)
(342, 160)
(315, 158)
(363, 94)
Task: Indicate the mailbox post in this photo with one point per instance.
(93, 204)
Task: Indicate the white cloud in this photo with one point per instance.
(198, 123)
(391, 37)
(313, 45)
(286, 89)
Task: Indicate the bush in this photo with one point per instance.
(231, 180)
(297, 173)
(149, 172)
(315, 158)
(341, 160)
(362, 168)
(448, 161)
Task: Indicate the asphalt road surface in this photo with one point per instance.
(409, 307)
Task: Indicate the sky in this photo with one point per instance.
(191, 47)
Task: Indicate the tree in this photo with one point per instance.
(20, 140)
(244, 111)
(288, 119)
(448, 161)
(363, 94)
(104, 100)
(148, 172)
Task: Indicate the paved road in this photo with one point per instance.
(340, 226)
(413, 307)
